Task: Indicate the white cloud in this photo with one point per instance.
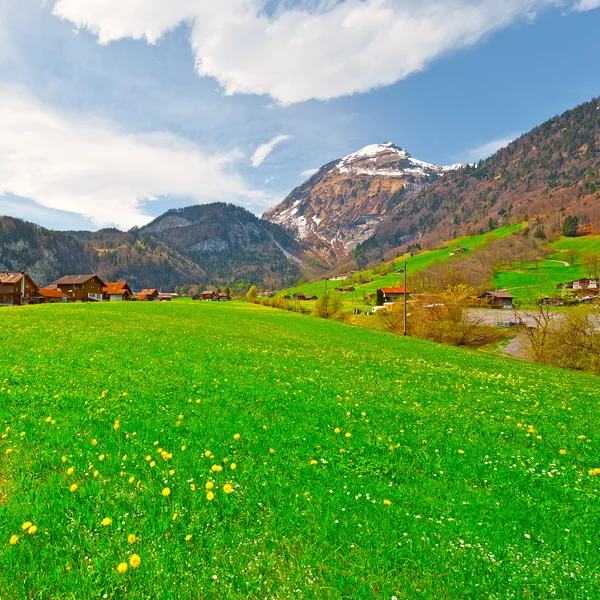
(319, 49)
(263, 151)
(308, 172)
(584, 5)
(485, 150)
(89, 167)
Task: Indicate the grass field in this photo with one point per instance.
(367, 465)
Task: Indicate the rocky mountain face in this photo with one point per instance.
(341, 205)
(544, 176)
(213, 244)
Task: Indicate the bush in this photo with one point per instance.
(329, 305)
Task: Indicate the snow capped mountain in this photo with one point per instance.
(342, 203)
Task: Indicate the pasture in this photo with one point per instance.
(216, 450)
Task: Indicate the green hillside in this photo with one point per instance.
(367, 465)
(416, 263)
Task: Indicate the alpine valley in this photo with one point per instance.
(354, 211)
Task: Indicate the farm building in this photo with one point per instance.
(311, 297)
(459, 251)
(208, 295)
(498, 299)
(223, 297)
(16, 289)
(196, 297)
(164, 297)
(52, 296)
(82, 288)
(117, 291)
(392, 294)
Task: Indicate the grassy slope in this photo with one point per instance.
(531, 282)
(480, 507)
(417, 263)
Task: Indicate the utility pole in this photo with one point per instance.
(326, 298)
(404, 297)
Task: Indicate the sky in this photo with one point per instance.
(114, 111)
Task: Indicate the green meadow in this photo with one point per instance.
(206, 450)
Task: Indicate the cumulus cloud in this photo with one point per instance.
(485, 150)
(315, 49)
(89, 167)
(258, 158)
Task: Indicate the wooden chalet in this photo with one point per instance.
(164, 297)
(16, 289)
(459, 251)
(52, 295)
(196, 297)
(208, 295)
(148, 295)
(393, 294)
(117, 291)
(223, 297)
(81, 288)
(495, 299)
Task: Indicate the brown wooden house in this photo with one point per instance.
(82, 288)
(16, 289)
(117, 291)
(393, 294)
(148, 294)
(209, 295)
(498, 299)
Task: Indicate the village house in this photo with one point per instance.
(82, 288)
(459, 251)
(581, 287)
(496, 299)
(148, 295)
(52, 296)
(165, 297)
(393, 294)
(117, 291)
(222, 297)
(16, 289)
(208, 296)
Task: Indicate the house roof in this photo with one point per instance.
(149, 292)
(76, 279)
(116, 288)
(53, 293)
(10, 277)
(394, 290)
(495, 294)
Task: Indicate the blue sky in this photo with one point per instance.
(111, 116)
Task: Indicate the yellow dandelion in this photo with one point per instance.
(227, 488)
(210, 485)
(96, 473)
(562, 451)
(148, 458)
(116, 425)
(131, 479)
(582, 437)
(233, 466)
(183, 448)
(94, 442)
(175, 516)
(32, 530)
(236, 436)
(131, 538)
(207, 453)
(152, 463)
(172, 472)
(101, 457)
(26, 525)
(337, 430)
(73, 488)
(178, 423)
(64, 459)
(342, 451)
(135, 561)
(9, 451)
(271, 451)
(314, 462)
(48, 419)
(188, 538)
(348, 434)
(193, 487)
(461, 451)
(387, 502)
(70, 471)
(181, 417)
(166, 492)
(106, 521)
(13, 540)
(216, 468)
(122, 568)
(210, 496)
